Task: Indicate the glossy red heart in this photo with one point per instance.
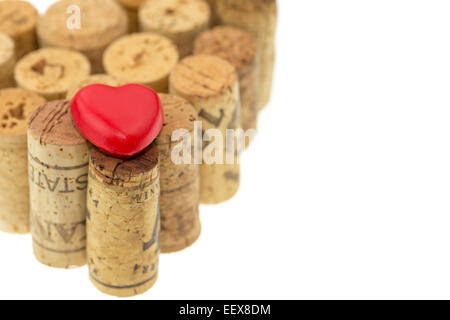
(120, 121)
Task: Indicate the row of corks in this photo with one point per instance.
(62, 189)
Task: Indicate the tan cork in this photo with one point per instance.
(94, 79)
(144, 58)
(260, 18)
(58, 167)
(15, 107)
(240, 49)
(179, 20)
(180, 183)
(7, 61)
(51, 72)
(18, 19)
(124, 222)
(102, 22)
(210, 84)
(131, 7)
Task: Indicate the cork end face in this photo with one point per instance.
(95, 79)
(203, 76)
(16, 106)
(51, 123)
(17, 17)
(113, 170)
(231, 44)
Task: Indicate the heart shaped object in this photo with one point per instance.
(120, 121)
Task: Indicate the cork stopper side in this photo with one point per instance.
(144, 58)
(115, 171)
(51, 71)
(231, 44)
(135, 4)
(52, 124)
(17, 17)
(16, 105)
(95, 79)
(248, 5)
(178, 114)
(6, 48)
(203, 76)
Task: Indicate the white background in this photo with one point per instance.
(345, 193)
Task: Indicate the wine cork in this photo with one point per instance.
(239, 48)
(100, 22)
(124, 222)
(51, 72)
(7, 61)
(143, 58)
(18, 19)
(15, 107)
(180, 21)
(58, 166)
(94, 79)
(180, 183)
(259, 17)
(210, 84)
(131, 8)
(212, 4)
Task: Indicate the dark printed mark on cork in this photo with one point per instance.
(58, 184)
(216, 121)
(56, 167)
(124, 287)
(155, 234)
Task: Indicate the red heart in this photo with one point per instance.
(120, 121)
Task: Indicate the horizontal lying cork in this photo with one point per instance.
(180, 183)
(259, 17)
(144, 58)
(18, 19)
(124, 223)
(180, 21)
(7, 61)
(15, 107)
(51, 72)
(102, 21)
(94, 79)
(239, 48)
(131, 8)
(210, 84)
(58, 168)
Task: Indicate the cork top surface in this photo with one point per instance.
(95, 79)
(102, 21)
(6, 48)
(248, 5)
(135, 4)
(51, 123)
(141, 57)
(16, 105)
(173, 16)
(178, 114)
(231, 44)
(203, 76)
(111, 167)
(51, 70)
(17, 17)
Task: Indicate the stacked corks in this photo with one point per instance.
(111, 114)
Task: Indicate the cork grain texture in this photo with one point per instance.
(57, 170)
(51, 72)
(15, 107)
(7, 61)
(123, 222)
(103, 21)
(179, 20)
(18, 19)
(95, 79)
(180, 183)
(144, 58)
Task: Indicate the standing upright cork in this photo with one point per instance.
(180, 21)
(7, 61)
(210, 84)
(259, 17)
(131, 7)
(100, 23)
(239, 48)
(144, 58)
(15, 107)
(124, 223)
(94, 79)
(180, 182)
(18, 19)
(58, 167)
(212, 5)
